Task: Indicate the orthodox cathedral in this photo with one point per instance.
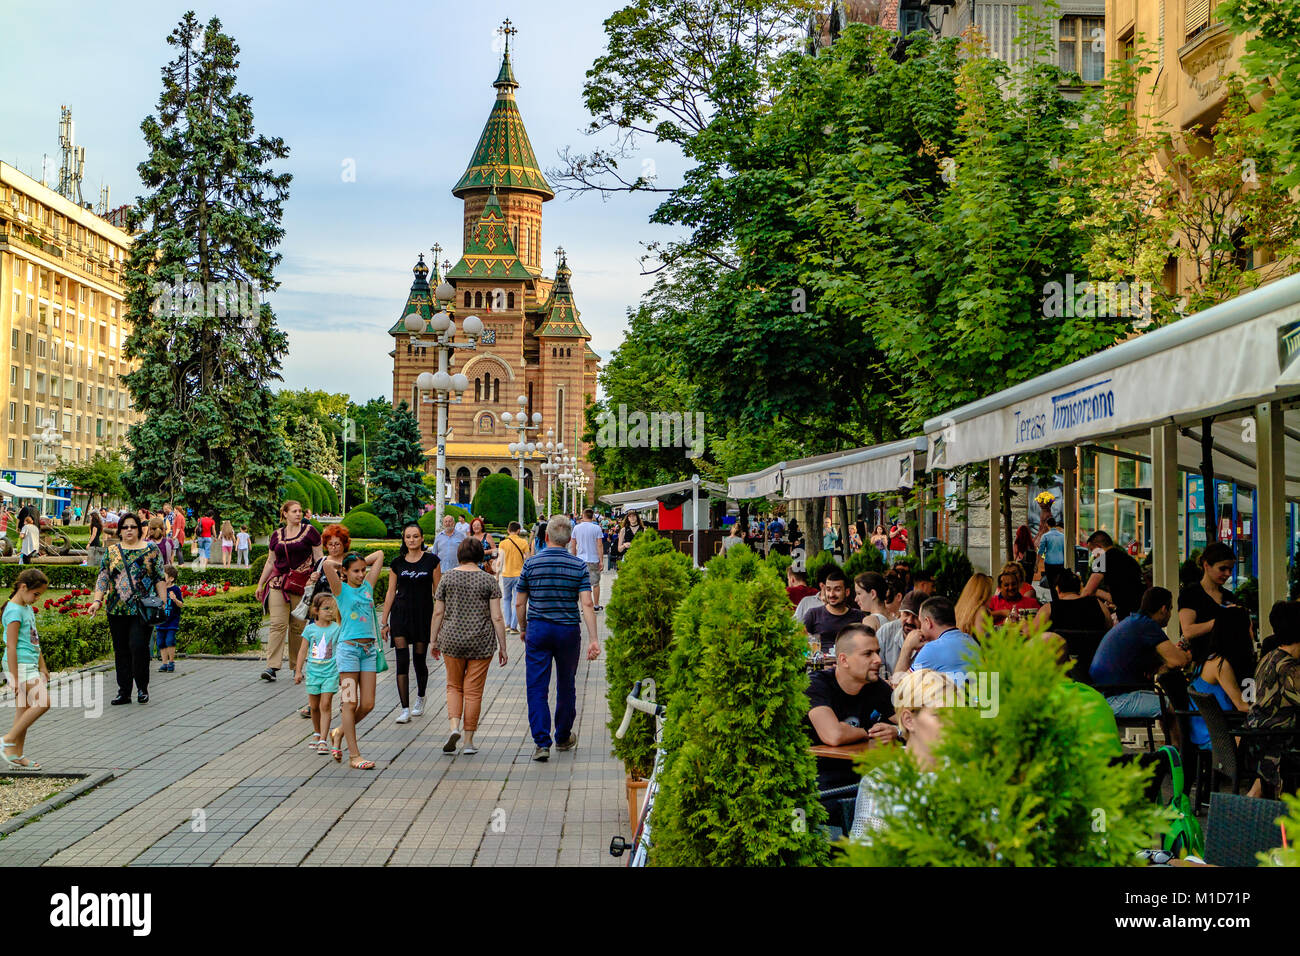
(533, 344)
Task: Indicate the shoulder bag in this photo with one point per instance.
(295, 582)
(381, 662)
(151, 609)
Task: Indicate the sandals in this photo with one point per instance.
(335, 750)
(305, 712)
(315, 742)
(322, 747)
(14, 761)
(358, 764)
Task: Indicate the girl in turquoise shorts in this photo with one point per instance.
(317, 655)
(25, 666)
(358, 651)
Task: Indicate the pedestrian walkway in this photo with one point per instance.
(214, 770)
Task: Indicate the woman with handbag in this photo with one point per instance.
(131, 577)
(295, 548)
(478, 531)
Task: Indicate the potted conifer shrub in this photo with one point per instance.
(652, 580)
(739, 782)
(1021, 777)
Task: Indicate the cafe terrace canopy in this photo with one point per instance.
(1237, 363)
(877, 469)
(679, 489)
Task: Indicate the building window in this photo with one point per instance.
(13, 411)
(11, 449)
(496, 390)
(478, 300)
(13, 338)
(27, 378)
(40, 349)
(1199, 15)
(27, 339)
(27, 414)
(468, 299)
(24, 451)
(1079, 40)
(13, 374)
(510, 300)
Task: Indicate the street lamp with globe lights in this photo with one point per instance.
(442, 383)
(523, 449)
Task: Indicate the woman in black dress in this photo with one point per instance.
(408, 615)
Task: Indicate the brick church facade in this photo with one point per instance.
(534, 343)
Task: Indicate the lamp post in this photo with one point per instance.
(551, 467)
(46, 440)
(441, 383)
(522, 450)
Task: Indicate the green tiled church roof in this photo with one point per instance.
(504, 145)
(420, 300)
(490, 254)
(562, 317)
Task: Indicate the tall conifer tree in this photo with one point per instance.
(206, 345)
(397, 485)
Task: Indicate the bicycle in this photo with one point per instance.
(642, 698)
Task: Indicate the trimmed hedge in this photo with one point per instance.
(363, 524)
(497, 500)
(429, 520)
(68, 576)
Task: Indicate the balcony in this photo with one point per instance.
(1206, 59)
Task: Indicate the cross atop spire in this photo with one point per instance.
(559, 254)
(507, 30)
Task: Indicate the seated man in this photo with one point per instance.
(894, 632)
(923, 583)
(826, 622)
(798, 587)
(849, 704)
(814, 600)
(1133, 651)
(943, 647)
(1010, 598)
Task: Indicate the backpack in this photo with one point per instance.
(1184, 835)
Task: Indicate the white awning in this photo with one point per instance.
(661, 491)
(10, 490)
(875, 470)
(757, 484)
(639, 505)
(1228, 357)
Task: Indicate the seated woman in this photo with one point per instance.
(1231, 652)
(919, 700)
(971, 610)
(1070, 611)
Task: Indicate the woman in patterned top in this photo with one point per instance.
(1276, 707)
(468, 628)
(130, 570)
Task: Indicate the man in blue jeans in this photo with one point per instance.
(1132, 651)
(552, 586)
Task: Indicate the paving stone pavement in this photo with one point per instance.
(214, 771)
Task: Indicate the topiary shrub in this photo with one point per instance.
(817, 562)
(497, 501)
(950, 568)
(294, 491)
(326, 495)
(780, 563)
(866, 558)
(363, 524)
(739, 784)
(1023, 779)
(429, 520)
(315, 494)
(653, 579)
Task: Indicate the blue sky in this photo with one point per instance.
(402, 89)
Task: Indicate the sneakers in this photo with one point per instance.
(542, 754)
(450, 746)
(418, 709)
(569, 743)
(268, 674)
(142, 698)
(471, 749)
(405, 716)
(599, 607)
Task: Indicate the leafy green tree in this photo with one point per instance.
(653, 579)
(99, 476)
(310, 447)
(1022, 779)
(398, 466)
(211, 218)
(739, 782)
(1272, 61)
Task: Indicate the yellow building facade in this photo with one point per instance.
(62, 327)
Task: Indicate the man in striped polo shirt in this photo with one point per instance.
(552, 586)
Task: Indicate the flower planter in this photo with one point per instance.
(636, 794)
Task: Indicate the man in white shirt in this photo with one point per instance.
(589, 544)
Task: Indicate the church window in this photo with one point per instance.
(496, 390)
(468, 300)
(478, 300)
(510, 300)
